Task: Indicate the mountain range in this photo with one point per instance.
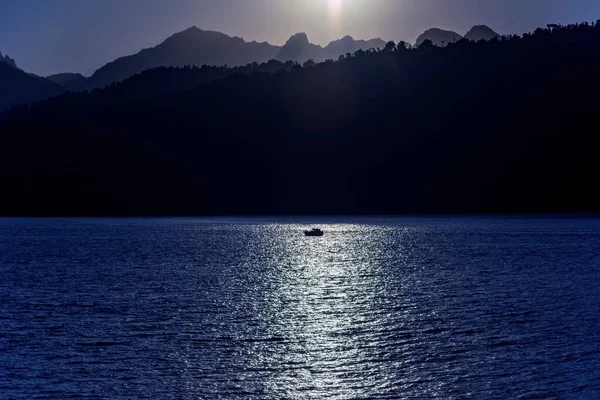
(196, 47)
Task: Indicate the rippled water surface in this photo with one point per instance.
(377, 308)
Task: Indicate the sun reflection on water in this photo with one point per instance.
(326, 307)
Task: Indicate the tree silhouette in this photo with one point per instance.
(427, 43)
(390, 46)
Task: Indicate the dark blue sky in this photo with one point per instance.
(81, 35)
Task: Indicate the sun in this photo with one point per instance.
(335, 8)
(333, 4)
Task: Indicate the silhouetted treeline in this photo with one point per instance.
(151, 83)
(507, 125)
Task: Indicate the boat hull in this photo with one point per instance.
(313, 234)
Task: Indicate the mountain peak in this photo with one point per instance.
(437, 31)
(438, 36)
(299, 38)
(70, 81)
(481, 32)
(194, 34)
(343, 41)
(297, 48)
(8, 60)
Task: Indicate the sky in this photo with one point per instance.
(52, 36)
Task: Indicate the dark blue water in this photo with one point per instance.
(378, 308)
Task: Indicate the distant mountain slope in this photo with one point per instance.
(481, 32)
(70, 81)
(190, 47)
(439, 37)
(19, 87)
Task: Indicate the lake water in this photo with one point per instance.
(251, 308)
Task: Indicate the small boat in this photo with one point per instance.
(314, 232)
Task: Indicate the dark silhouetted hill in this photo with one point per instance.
(438, 37)
(506, 125)
(153, 83)
(18, 87)
(481, 32)
(70, 81)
